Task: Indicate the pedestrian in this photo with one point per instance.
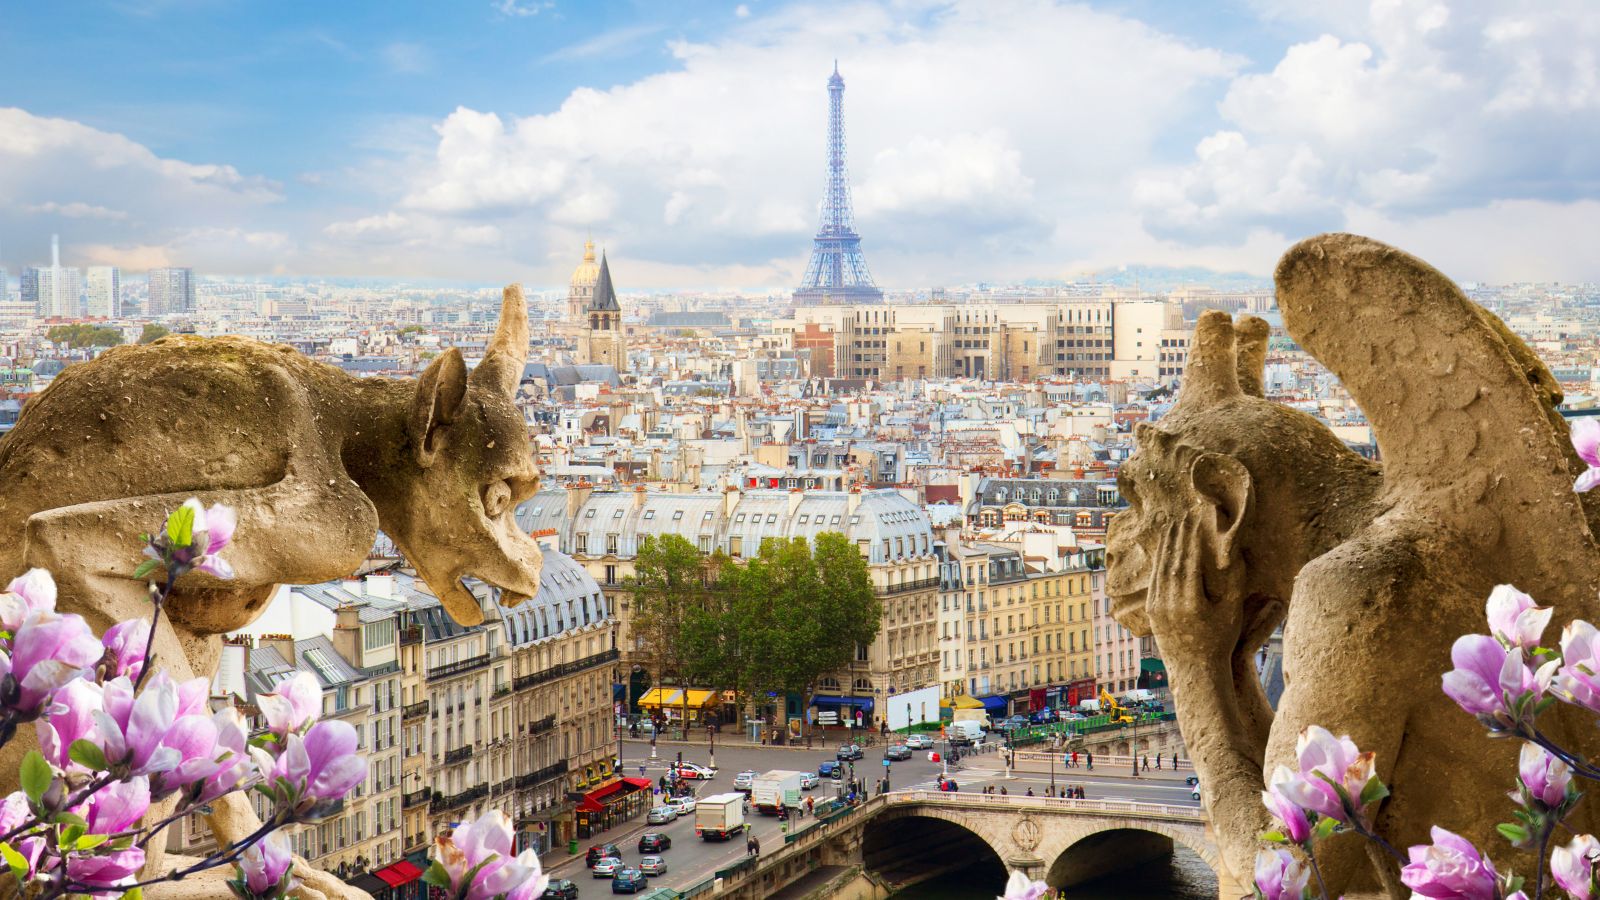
(1090, 758)
(1158, 760)
(749, 846)
(758, 846)
(1030, 792)
(1074, 763)
(747, 829)
(811, 806)
(1003, 791)
(1147, 762)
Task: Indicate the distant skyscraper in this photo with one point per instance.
(58, 289)
(171, 291)
(837, 272)
(29, 285)
(5, 285)
(102, 292)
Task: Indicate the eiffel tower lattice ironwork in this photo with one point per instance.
(837, 272)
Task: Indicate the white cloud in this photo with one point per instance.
(741, 11)
(407, 58)
(77, 210)
(524, 9)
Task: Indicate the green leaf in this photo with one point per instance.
(134, 894)
(1276, 837)
(437, 875)
(1373, 791)
(91, 841)
(66, 818)
(1324, 828)
(180, 526)
(36, 775)
(1516, 834)
(145, 568)
(17, 862)
(70, 834)
(88, 754)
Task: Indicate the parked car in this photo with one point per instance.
(1013, 723)
(629, 881)
(919, 741)
(897, 752)
(830, 769)
(1042, 716)
(654, 842)
(694, 772)
(560, 889)
(608, 867)
(661, 815)
(1194, 793)
(599, 852)
(808, 780)
(744, 780)
(652, 866)
(684, 805)
(848, 752)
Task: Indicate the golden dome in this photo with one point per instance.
(588, 271)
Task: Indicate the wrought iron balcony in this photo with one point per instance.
(414, 711)
(410, 635)
(921, 584)
(456, 801)
(456, 668)
(533, 779)
(415, 798)
(524, 682)
(459, 754)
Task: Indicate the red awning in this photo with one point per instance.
(592, 801)
(402, 872)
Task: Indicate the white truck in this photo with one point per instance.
(719, 817)
(964, 733)
(774, 791)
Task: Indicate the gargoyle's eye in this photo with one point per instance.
(496, 499)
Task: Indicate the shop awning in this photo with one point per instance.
(830, 700)
(595, 800)
(369, 883)
(966, 701)
(996, 704)
(674, 697)
(661, 697)
(1152, 674)
(398, 874)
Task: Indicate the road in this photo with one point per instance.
(691, 860)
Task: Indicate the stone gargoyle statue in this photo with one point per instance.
(314, 460)
(1244, 514)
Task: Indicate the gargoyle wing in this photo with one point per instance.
(1461, 409)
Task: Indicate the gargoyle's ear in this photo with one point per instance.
(440, 391)
(1223, 484)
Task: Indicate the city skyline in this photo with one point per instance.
(482, 143)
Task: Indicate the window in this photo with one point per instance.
(677, 515)
(772, 518)
(737, 520)
(648, 514)
(804, 518)
(611, 544)
(706, 517)
(617, 514)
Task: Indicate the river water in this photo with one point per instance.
(1187, 878)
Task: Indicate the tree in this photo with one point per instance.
(82, 334)
(669, 581)
(152, 332)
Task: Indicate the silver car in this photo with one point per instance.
(607, 867)
(744, 781)
(808, 780)
(661, 815)
(652, 866)
(919, 742)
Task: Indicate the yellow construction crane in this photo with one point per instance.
(1119, 714)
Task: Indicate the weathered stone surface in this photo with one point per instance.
(314, 460)
(1244, 514)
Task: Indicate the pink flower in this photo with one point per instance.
(47, 651)
(320, 767)
(1327, 766)
(33, 591)
(534, 881)
(131, 729)
(1491, 681)
(235, 769)
(1578, 681)
(126, 643)
(1021, 887)
(1586, 440)
(479, 849)
(14, 811)
(1450, 869)
(1279, 876)
(193, 537)
(1543, 776)
(1296, 824)
(1515, 619)
(71, 720)
(1573, 866)
(114, 808)
(293, 706)
(264, 866)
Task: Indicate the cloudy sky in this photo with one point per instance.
(993, 140)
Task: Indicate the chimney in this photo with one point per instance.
(795, 496)
(852, 499)
(639, 496)
(380, 584)
(730, 499)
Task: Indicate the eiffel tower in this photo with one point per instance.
(837, 272)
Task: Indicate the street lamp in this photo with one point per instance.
(1135, 747)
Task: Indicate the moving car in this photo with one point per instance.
(608, 867)
(1194, 793)
(654, 842)
(560, 889)
(629, 881)
(808, 780)
(830, 769)
(694, 772)
(599, 852)
(661, 815)
(1013, 722)
(897, 752)
(652, 866)
(919, 742)
(848, 752)
(743, 781)
(1192, 780)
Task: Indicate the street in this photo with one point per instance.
(690, 860)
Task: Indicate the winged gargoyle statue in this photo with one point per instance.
(313, 459)
(1244, 514)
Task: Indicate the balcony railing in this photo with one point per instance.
(543, 725)
(411, 635)
(415, 799)
(906, 587)
(414, 711)
(459, 754)
(458, 667)
(456, 801)
(523, 682)
(533, 779)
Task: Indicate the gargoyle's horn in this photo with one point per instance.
(508, 351)
(1250, 346)
(1212, 372)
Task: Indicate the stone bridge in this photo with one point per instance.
(905, 838)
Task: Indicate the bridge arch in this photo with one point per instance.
(1104, 850)
(904, 847)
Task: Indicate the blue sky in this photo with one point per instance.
(989, 140)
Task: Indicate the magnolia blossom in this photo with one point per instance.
(1324, 759)
(319, 767)
(132, 728)
(1586, 440)
(293, 706)
(1578, 680)
(1296, 824)
(477, 858)
(14, 811)
(126, 644)
(113, 809)
(71, 720)
(1573, 866)
(1543, 776)
(235, 770)
(1450, 869)
(1280, 876)
(263, 866)
(47, 651)
(33, 591)
(1515, 619)
(1489, 679)
(210, 532)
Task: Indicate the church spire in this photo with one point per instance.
(605, 297)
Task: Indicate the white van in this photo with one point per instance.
(1089, 707)
(966, 732)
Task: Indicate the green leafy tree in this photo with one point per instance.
(669, 581)
(152, 332)
(82, 334)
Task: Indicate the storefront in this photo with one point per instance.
(851, 711)
(399, 881)
(998, 706)
(612, 804)
(1079, 691)
(672, 703)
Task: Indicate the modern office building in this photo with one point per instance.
(102, 292)
(171, 292)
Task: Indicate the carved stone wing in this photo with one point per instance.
(1461, 410)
